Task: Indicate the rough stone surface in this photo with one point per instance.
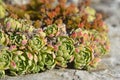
(110, 65)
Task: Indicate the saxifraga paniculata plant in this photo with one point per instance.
(39, 36)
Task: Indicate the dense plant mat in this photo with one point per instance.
(44, 35)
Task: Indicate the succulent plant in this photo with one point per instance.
(51, 30)
(48, 57)
(2, 10)
(5, 58)
(39, 36)
(3, 37)
(36, 44)
(18, 64)
(64, 52)
(89, 43)
(17, 39)
(82, 57)
(18, 25)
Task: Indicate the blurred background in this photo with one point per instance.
(110, 65)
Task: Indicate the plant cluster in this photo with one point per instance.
(43, 35)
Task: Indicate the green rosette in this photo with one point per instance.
(41, 61)
(5, 58)
(97, 42)
(100, 41)
(26, 26)
(32, 63)
(18, 39)
(92, 38)
(51, 30)
(12, 24)
(80, 36)
(48, 57)
(18, 25)
(65, 50)
(36, 43)
(19, 64)
(82, 57)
